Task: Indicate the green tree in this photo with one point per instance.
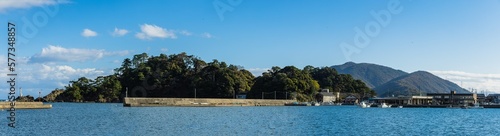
(109, 88)
(327, 77)
(286, 81)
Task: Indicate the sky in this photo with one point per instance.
(61, 40)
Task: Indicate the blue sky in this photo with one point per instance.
(61, 40)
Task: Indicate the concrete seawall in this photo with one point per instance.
(199, 102)
(26, 105)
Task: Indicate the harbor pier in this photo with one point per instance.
(26, 105)
(199, 102)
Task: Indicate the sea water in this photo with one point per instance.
(114, 119)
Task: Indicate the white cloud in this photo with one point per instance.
(58, 53)
(46, 77)
(13, 4)
(3, 67)
(185, 32)
(257, 71)
(64, 72)
(88, 33)
(117, 53)
(152, 31)
(480, 82)
(119, 32)
(206, 35)
(116, 61)
(164, 50)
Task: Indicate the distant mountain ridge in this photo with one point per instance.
(420, 82)
(387, 81)
(373, 75)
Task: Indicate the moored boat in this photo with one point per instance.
(476, 106)
(364, 105)
(384, 105)
(330, 104)
(295, 104)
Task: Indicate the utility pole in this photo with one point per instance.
(126, 92)
(275, 95)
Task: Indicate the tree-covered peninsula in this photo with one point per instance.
(187, 76)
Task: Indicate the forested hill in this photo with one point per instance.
(181, 75)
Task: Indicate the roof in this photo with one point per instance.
(448, 94)
(326, 94)
(351, 97)
(491, 95)
(325, 90)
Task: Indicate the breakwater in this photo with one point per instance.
(26, 105)
(200, 102)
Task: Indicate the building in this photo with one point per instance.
(404, 100)
(326, 96)
(481, 98)
(493, 98)
(453, 98)
(350, 100)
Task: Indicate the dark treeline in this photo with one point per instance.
(187, 76)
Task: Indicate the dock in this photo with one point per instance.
(26, 105)
(199, 102)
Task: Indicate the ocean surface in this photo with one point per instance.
(114, 119)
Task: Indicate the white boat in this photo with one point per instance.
(364, 105)
(327, 104)
(330, 104)
(316, 104)
(476, 106)
(383, 105)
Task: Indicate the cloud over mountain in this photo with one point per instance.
(476, 81)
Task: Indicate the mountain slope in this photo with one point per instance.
(373, 75)
(416, 83)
